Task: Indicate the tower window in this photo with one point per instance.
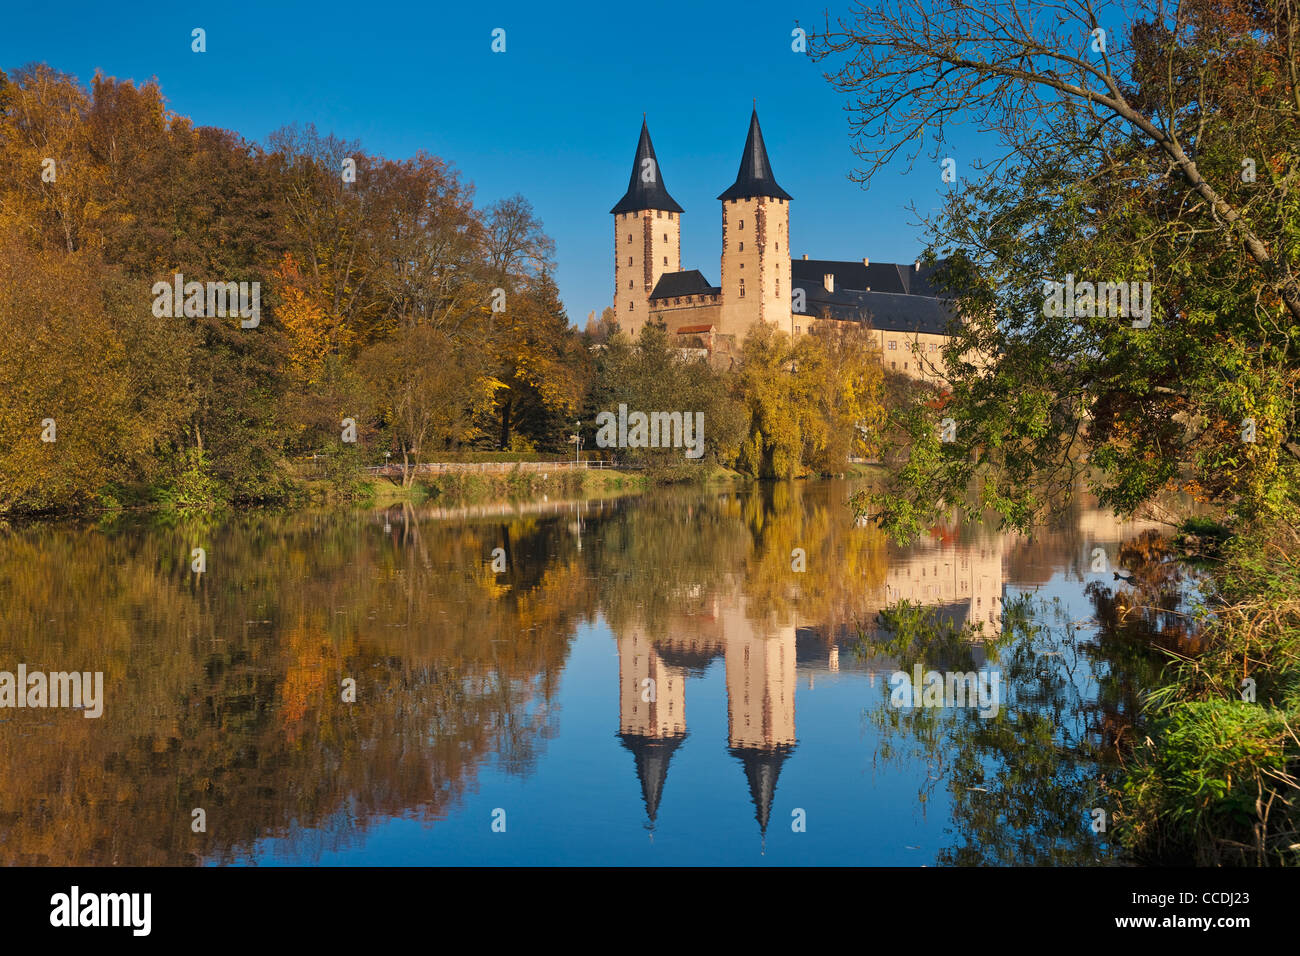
(742, 288)
(629, 283)
(778, 247)
(742, 224)
(629, 260)
(665, 260)
(665, 237)
(629, 237)
(631, 306)
(742, 247)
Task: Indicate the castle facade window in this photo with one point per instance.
(742, 288)
(742, 247)
(893, 345)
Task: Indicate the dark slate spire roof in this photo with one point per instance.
(652, 755)
(762, 767)
(755, 177)
(645, 195)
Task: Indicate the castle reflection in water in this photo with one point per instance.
(763, 660)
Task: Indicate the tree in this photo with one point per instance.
(427, 387)
(1124, 160)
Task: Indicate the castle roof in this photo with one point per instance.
(762, 767)
(876, 277)
(892, 297)
(886, 311)
(652, 755)
(640, 193)
(690, 282)
(755, 177)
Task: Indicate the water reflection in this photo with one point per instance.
(224, 690)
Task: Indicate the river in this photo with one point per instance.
(684, 677)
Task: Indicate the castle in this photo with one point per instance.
(760, 281)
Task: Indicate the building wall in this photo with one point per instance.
(687, 310)
(665, 715)
(945, 575)
(647, 244)
(897, 353)
(755, 253)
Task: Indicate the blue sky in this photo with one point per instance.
(555, 117)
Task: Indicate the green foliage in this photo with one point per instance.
(1217, 778)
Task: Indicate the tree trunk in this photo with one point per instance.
(505, 425)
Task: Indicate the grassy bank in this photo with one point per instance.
(465, 488)
(1217, 778)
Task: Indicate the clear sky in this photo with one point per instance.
(556, 117)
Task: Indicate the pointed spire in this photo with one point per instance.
(645, 188)
(762, 767)
(755, 177)
(652, 756)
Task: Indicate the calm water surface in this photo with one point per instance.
(521, 700)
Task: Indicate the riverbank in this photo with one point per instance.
(468, 487)
(1215, 778)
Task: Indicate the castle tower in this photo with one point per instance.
(647, 237)
(755, 244)
(651, 729)
(760, 673)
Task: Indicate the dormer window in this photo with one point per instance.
(659, 213)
